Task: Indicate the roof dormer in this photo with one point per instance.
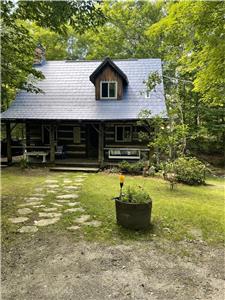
(109, 81)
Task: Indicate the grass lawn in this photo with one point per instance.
(184, 213)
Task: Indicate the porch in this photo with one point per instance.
(77, 143)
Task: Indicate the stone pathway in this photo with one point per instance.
(46, 208)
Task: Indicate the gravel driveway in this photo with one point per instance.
(48, 267)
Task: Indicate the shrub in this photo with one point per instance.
(137, 195)
(188, 170)
(131, 168)
(23, 163)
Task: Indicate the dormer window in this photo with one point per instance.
(108, 89)
(109, 81)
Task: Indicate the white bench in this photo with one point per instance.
(36, 154)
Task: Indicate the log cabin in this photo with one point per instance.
(88, 108)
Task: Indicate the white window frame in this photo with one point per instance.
(123, 140)
(108, 81)
(125, 156)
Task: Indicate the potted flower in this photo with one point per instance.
(133, 208)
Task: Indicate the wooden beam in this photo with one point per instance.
(27, 134)
(52, 143)
(9, 143)
(101, 144)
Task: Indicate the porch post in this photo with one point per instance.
(52, 143)
(9, 143)
(27, 134)
(101, 144)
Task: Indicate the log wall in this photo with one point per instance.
(108, 74)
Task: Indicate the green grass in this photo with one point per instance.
(176, 214)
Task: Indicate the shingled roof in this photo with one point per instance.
(70, 95)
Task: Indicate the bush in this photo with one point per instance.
(133, 195)
(131, 168)
(188, 170)
(23, 163)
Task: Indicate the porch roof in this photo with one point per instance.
(68, 93)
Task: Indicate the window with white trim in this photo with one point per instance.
(108, 89)
(123, 133)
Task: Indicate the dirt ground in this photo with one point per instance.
(43, 266)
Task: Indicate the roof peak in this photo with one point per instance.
(108, 61)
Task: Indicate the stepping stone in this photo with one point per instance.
(94, 223)
(31, 199)
(52, 186)
(71, 187)
(49, 215)
(67, 181)
(68, 196)
(28, 229)
(24, 211)
(38, 189)
(75, 227)
(73, 204)
(63, 201)
(38, 206)
(79, 183)
(53, 192)
(79, 180)
(82, 219)
(49, 209)
(18, 220)
(46, 222)
(56, 204)
(51, 181)
(71, 210)
(39, 195)
(30, 204)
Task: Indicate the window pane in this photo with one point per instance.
(76, 135)
(112, 89)
(104, 89)
(127, 133)
(119, 132)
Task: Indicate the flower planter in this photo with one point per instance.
(133, 215)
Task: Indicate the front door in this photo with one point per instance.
(92, 141)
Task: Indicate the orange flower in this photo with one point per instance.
(122, 178)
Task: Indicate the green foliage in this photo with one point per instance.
(135, 195)
(168, 138)
(194, 31)
(188, 170)
(17, 49)
(55, 44)
(18, 43)
(56, 15)
(123, 34)
(131, 168)
(153, 79)
(23, 163)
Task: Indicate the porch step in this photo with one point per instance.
(74, 169)
(2, 166)
(76, 164)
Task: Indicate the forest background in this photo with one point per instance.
(188, 36)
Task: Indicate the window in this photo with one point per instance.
(123, 133)
(76, 135)
(108, 89)
(124, 153)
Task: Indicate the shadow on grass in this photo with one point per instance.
(132, 234)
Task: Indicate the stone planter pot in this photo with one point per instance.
(133, 215)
